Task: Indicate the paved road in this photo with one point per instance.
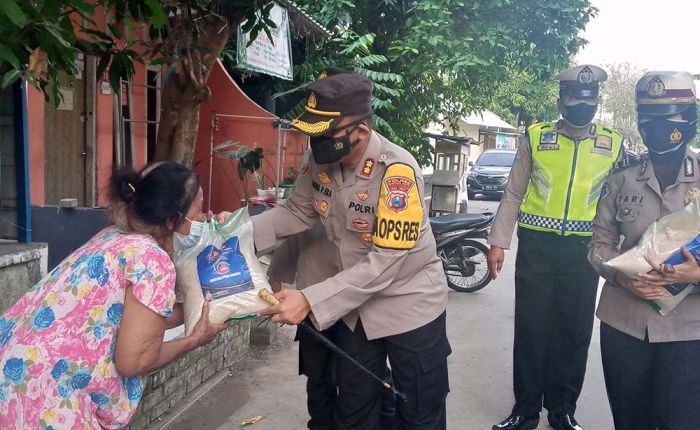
(480, 328)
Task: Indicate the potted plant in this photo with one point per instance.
(288, 183)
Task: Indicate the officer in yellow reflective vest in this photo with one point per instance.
(552, 192)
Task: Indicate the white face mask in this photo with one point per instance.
(184, 241)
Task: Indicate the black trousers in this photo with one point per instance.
(317, 362)
(555, 293)
(651, 385)
(418, 360)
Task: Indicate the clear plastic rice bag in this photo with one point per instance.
(661, 243)
(222, 263)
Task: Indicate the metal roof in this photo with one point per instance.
(302, 22)
(488, 120)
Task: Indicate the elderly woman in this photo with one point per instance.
(651, 362)
(74, 349)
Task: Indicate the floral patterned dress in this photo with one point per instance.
(57, 342)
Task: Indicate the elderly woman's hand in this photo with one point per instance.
(204, 331)
(687, 272)
(641, 288)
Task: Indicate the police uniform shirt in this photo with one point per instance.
(630, 202)
(305, 259)
(391, 275)
(518, 181)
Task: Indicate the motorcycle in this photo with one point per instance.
(463, 258)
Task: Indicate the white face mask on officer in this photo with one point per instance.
(184, 241)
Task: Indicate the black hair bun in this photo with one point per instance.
(123, 184)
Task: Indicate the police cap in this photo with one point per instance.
(335, 94)
(665, 93)
(581, 81)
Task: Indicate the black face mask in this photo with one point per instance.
(663, 135)
(327, 150)
(579, 115)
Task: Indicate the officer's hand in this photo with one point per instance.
(221, 216)
(275, 285)
(495, 260)
(641, 288)
(292, 309)
(687, 272)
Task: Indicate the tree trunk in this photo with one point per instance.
(185, 88)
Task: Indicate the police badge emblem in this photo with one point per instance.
(585, 76)
(338, 145)
(324, 178)
(362, 195)
(397, 196)
(312, 101)
(676, 136)
(656, 87)
(691, 195)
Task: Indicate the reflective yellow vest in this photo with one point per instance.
(567, 178)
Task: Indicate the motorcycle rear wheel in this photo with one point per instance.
(472, 276)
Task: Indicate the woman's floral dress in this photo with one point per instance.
(57, 342)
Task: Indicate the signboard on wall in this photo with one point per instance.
(269, 56)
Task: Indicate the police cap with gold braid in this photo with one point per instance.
(337, 93)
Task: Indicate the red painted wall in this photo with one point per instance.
(227, 99)
(255, 130)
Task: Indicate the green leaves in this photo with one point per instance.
(10, 77)
(13, 12)
(454, 56)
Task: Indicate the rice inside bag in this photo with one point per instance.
(222, 263)
(661, 243)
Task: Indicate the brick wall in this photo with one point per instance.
(173, 384)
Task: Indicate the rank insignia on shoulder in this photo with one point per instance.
(324, 178)
(629, 161)
(603, 142)
(368, 167)
(400, 209)
(689, 166)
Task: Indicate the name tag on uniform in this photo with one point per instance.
(548, 142)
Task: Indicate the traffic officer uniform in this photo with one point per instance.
(305, 259)
(391, 292)
(552, 193)
(650, 361)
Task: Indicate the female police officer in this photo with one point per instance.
(650, 361)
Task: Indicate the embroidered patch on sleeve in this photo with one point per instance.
(399, 209)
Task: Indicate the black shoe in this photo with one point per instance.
(518, 422)
(563, 422)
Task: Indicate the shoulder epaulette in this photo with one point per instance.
(542, 126)
(629, 161)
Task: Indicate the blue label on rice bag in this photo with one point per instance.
(677, 258)
(223, 271)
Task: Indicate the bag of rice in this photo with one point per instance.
(222, 263)
(661, 243)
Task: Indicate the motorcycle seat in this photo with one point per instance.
(441, 224)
